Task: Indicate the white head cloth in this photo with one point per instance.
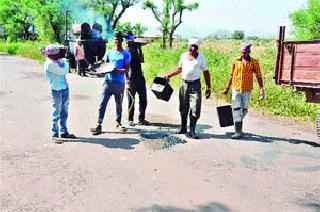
(194, 41)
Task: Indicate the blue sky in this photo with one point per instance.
(256, 17)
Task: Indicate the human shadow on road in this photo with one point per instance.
(259, 138)
(200, 127)
(117, 143)
(212, 206)
(166, 125)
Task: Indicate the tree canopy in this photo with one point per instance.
(238, 35)
(170, 16)
(112, 10)
(306, 21)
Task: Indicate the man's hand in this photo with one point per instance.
(262, 95)
(118, 70)
(225, 91)
(128, 84)
(167, 77)
(208, 93)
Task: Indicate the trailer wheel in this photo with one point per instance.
(318, 124)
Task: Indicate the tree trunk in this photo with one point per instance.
(56, 31)
(170, 40)
(164, 45)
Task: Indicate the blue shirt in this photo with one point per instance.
(117, 59)
(56, 74)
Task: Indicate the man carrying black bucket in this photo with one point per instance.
(137, 82)
(241, 81)
(190, 64)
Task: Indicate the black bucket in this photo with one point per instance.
(161, 88)
(225, 115)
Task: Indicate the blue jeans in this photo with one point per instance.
(109, 89)
(240, 102)
(60, 103)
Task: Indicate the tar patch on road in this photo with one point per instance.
(157, 140)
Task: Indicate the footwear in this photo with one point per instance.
(121, 128)
(67, 135)
(238, 130)
(181, 130)
(144, 122)
(192, 131)
(55, 139)
(193, 135)
(131, 124)
(183, 127)
(97, 129)
(237, 135)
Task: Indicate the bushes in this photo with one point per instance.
(10, 48)
(280, 101)
(26, 49)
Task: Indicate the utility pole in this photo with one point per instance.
(66, 26)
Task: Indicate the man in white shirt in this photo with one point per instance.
(190, 66)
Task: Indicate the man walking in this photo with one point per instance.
(137, 82)
(119, 62)
(241, 81)
(190, 64)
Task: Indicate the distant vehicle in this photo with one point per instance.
(298, 65)
(94, 45)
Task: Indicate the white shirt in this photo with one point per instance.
(191, 68)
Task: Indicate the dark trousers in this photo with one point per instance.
(190, 99)
(137, 85)
(109, 89)
(81, 66)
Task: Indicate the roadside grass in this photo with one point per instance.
(26, 49)
(280, 101)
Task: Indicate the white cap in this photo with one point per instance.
(194, 41)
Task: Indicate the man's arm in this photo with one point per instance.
(260, 81)
(57, 68)
(226, 90)
(173, 73)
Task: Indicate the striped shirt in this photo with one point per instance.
(242, 74)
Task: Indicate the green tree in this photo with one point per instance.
(19, 16)
(139, 30)
(162, 17)
(49, 19)
(171, 9)
(238, 35)
(306, 21)
(125, 27)
(15, 18)
(112, 10)
(178, 7)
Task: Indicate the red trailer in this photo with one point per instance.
(298, 65)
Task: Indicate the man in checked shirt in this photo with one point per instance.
(241, 81)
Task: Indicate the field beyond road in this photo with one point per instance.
(274, 168)
(280, 101)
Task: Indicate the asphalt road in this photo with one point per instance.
(276, 167)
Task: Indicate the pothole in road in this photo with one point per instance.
(157, 140)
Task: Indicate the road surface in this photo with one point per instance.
(276, 167)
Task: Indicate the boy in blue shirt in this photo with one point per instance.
(114, 84)
(55, 69)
